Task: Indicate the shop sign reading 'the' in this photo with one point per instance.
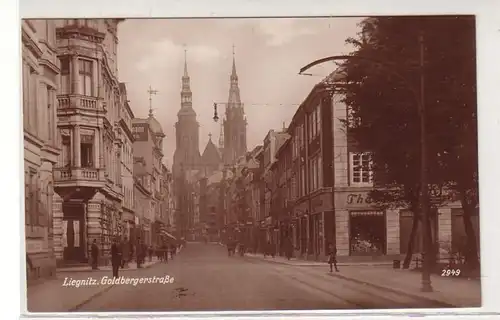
(358, 198)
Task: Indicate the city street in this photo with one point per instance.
(206, 279)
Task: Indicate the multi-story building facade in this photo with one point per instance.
(311, 132)
(87, 177)
(127, 163)
(168, 200)
(40, 72)
(283, 185)
(272, 143)
(148, 142)
(143, 197)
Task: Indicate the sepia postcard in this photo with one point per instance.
(250, 164)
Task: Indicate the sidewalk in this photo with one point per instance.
(87, 268)
(453, 292)
(306, 263)
(52, 296)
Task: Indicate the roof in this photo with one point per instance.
(187, 111)
(210, 154)
(155, 126)
(335, 77)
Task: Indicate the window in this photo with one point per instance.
(85, 72)
(86, 153)
(316, 173)
(31, 95)
(318, 119)
(302, 181)
(360, 167)
(31, 198)
(51, 32)
(26, 77)
(65, 76)
(50, 110)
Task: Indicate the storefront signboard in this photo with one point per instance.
(354, 200)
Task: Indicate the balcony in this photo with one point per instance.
(75, 101)
(79, 177)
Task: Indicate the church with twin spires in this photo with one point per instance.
(232, 142)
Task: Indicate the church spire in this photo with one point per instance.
(186, 94)
(221, 136)
(234, 75)
(186, 75)
(234, 90)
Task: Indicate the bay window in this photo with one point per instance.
(86, 77)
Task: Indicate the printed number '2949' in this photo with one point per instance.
(450, 272)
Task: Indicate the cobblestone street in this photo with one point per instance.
(206, 279)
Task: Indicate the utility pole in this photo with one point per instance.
(424, 187)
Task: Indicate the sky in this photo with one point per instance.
(268, 52)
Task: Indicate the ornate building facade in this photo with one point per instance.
(88, 174)
(40, 71)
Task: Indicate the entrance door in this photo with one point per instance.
(73, 221)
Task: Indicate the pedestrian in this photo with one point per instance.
(138, 254)
(116, 257)
(125, 253)
(288, 248)
(94, 252)
(164, 253)
(332, 259)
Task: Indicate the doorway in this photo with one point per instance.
(74, 243)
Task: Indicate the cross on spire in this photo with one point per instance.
(233, 49)
(210, 136)
(151, 92)
(185, 61)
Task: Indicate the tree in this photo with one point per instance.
(381, 92)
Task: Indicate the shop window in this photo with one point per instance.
(361, 169)
(367, 233)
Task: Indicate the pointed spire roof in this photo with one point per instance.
(234, 90)
(234, 75)
(186, 94)
(186, 75)
(210, 155)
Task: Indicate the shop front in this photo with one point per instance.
(320, 223)
(300, 215)
(363, 229)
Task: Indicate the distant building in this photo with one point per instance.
(127, 162)
(148, 147)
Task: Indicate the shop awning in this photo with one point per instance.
(169, 235)
(366, 213)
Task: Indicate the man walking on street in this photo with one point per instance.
(116, 257)
(125, 253)
(94, 252)
(139, 253)
(332, 259)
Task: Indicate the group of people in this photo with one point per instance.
(162, 252)
(123, 252)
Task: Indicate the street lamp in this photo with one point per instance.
(424, 195)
